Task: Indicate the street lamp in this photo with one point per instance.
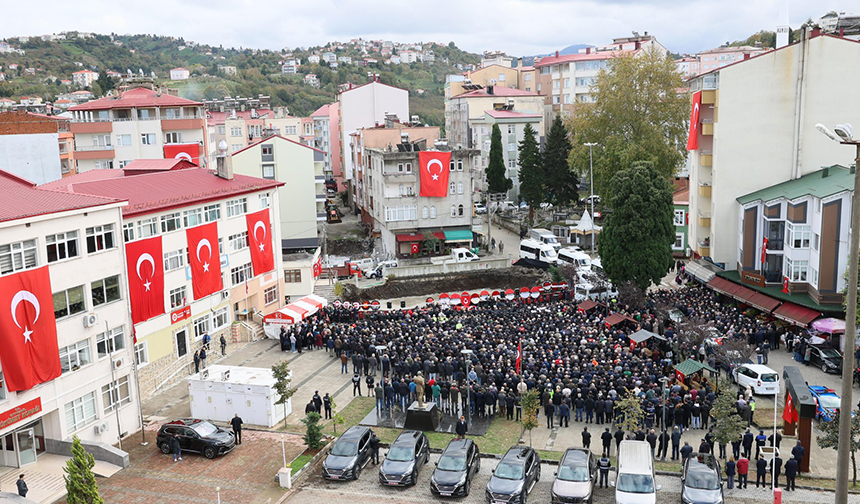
(218, 491)
(664, 380)
(845, 135)
(468, 355)
(591, 187)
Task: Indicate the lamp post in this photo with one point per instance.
(218, 491)
(591, 187)
(284, 451)
(664, 380)
(846, 137)
(468, 354)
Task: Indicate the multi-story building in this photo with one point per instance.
(492, 75)
(76, 237)
(165, 204)
(290, 66)
(240, 127)
(84, 78)
(36, 147)
(314, 58)
(227, 69)
(461, 110)
(312, 80)
(499, 58)
(327, 139)
(137, 124)
(329, 57)
(512, 125)
(688, 66)
(177, 74)
(726, 55)
(681, 218)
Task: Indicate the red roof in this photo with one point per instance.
(276, 136)
(509, 114)
(796, 314)
(156, 192)
(22, 198)
(137, 97)
(154, 165)
(565, 58)
(497, 91)
(65, 184)
(322, 111)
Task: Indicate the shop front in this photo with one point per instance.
(22, 444)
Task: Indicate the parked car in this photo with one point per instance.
(456, 469)
(197, 436)
(761, 379)
(587, 200)
(480, 208)
(514, 476)
(701, 480)
(406, 456)
(378, 271)
(574, 480)
(348, 455)
(827, 402)
(828, 359)
(634, 481)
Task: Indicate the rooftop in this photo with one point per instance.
(22, 198)
(322, 111)
(215, 117)
(497, 91)
(156, 165)
(137, 97)
(269, 138)
(565, 58)
(509, 114)
(825, 182)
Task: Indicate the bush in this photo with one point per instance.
(313, 435)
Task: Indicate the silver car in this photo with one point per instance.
(574, 480)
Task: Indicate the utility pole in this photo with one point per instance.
(591, 187)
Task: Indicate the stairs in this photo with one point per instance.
(324, 289)
(257, 327)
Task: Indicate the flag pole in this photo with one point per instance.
(113, 384)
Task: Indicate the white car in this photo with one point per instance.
(480, 208)
(761, 379)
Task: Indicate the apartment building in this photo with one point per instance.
(177, 74)
(688, 66)
(512, 125)
(36, 147)
(241, 127)
(66, 247)
(726, 55)
(492, 75)
(497, 58)
(164, 209)
(84, 78)
(290, 66)
(461, 110)
(139, 123)
(327, 139)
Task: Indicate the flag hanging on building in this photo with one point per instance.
(189, 152)
(28, 331)
(204, 259)
(763, 250)
(145, 278)
(260, 240)
(693, 139)
(790, 413)
(318, 267)
(433, 173)
(785, 285)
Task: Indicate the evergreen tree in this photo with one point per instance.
(830, 438)
(314, 434)
(282, 375)
(728, 425)
(532, 178)
(81, 485)
(530, 403)
(497, 181)
(561, 181)
(636, 243)
(632, 414)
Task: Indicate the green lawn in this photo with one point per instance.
(299, 462)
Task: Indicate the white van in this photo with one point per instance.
(634, 482)
(576, 258)
(545, 236)
(538, 251)
(597, 266)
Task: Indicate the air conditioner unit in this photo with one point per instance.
(118, 363)
(225, 375)
(225, 294)
(90, 319)
(101, 428)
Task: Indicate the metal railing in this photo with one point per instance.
(85, 148)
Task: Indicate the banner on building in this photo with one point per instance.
(204, 259)
(433, 173)
(145, 278)
(693, 139)
(260, 241)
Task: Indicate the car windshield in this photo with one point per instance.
(770, 377)
(507, 470)
(449, 463)
(830, 353)
(830, 401)
(573, 472)
(205, 429)
(551, 240)
(344, 448)
(549, 253)
(401, 453)
(702, 480)
(635, 483)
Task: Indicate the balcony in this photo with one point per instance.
(88, 148)
(775, 244)
(706, 159)
(183, 123)
(703, 248)
(704, 190)
(773, 276)
(709, 97)
(401, 225)
(321, 217)
(91, 127)
(704, 219)
(320, 198)
(707, 128)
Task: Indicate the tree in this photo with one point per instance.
(497, 181)
(830, 438)
(632, 414)
(336, 417)
(429, 242)
(530, 404)
(105, 82)
(631, 295)
(561, 181)
(636, 243)
(313, 435)
(282, 375)
(637, 115)
(728, 425)
(532, 176)
(81, 485)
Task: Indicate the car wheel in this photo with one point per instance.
(415, 476)
(165, 448)
(824, 367)
(358, 470)
(209, 452)
(468, 488)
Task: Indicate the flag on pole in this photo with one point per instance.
(763, 251)
(519, 355)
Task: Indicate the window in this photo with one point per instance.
(147, 139)
(237, 207)
(17, 256)
(452, 188)
(556, 84)
(529, 77)
(239, 241)
(815, 240)
(141, 354)
(269, 171)
(271, 294)
(201, 326)
(567, 98)
(679, 217)
(556, 100)
(212, 212)
(800, 235)
(220, 130)
(100, 238)
(105, 290)
(293, 276)
(174, 260)
(512, 129)
(425, 213)
(115, 394)
(101, 141)
(512, 163)
(400, 167)
(432, 212)
(408, 168)
(2, 387)
(813, 277)
(289, 130)
(267, 150)
(74, 356)
(236, 132)
(173, 137)
(62, 246)
(235, 147)
(81, 412)
(501, 77)
(239, 274)
(123, 140)
(220, 318)
(796, 270)
(104, 164)
(401, 213)
(193, 217)
(147, 227)
(460, 210)
(453, 210)
(679, 242)
(170, 222)
(459, 188)
(460, 165)
(451, 165)
(177, 297)
(69, 302)
(265, 200)
(128, 232)
(108, 343)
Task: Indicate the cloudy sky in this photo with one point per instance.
(519, 27)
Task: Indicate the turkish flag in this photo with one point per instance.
(434, 173)
(785, 285)
(414, 248)
(763, 251)
(204, 259)
(189, 152)
(318, 267)
(693, 139)
(28, 330)
(259, 236)
(790, 413)
(145, 278)
(519, 356)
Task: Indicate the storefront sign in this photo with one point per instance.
(21, 412)
(180, 314)
(751, 278)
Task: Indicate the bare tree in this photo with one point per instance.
(631, 295)
(692, 333)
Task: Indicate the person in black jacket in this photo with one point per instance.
(461, 428)
(175, 448)
(686, 450)
(663, 445)
(327, 405)
(599, 408)
(676, 443)
(311, 407)
(730, 473)
(791, 470)
(22, 486)
(776, 470)
(317, 400)
(606, 437)
(798, 451)
(747, 443)
(586, 437)
(589, 409)
(761, 471)
(374, 448)
(236, 423)
(549, 409)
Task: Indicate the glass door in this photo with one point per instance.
(26, 446)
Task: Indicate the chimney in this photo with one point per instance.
(587, 50)
(556, 54)
(816, 31)
(224, 162)
(638, 45)
(490, 89)
(746, 56)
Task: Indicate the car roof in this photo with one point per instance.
(407, 437)
(575, 455)
(356, 431)
(517, 452)
(704, 462)
(185, 422)
(458, 446)
(760, 368)
(821, 390)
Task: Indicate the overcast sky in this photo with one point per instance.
(518, 27)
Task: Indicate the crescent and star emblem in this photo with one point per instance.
(18, 298)
(696, 113)
(204, 243)
(145, 257)
(260, 225)
(431, 163)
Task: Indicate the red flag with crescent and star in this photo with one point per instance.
(28, 331)
(145, 278)
(260, 239)
(318, 267)
(764, 251)
(434, 173)
(204, 259)
(693, 139)
(519, 356)
(785, 284)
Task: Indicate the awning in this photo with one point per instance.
(723, 286)
(642, 335)
(763, 302)
(296, 311)
(458, 235)
(415, 237)
(701, 272)
(796, 314)
(617, 318)
(692, 366)
(743, 294)
(586, 305)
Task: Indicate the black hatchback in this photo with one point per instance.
(826, 358)
(459, 463)
(197, 436)
(348, 455)
(514, 476)
(406, 455)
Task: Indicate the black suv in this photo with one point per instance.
(196, 436)
(701, 481)
(514, 476)
(348, 455)
(459, 463)
(406, 455)
(828, 359)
